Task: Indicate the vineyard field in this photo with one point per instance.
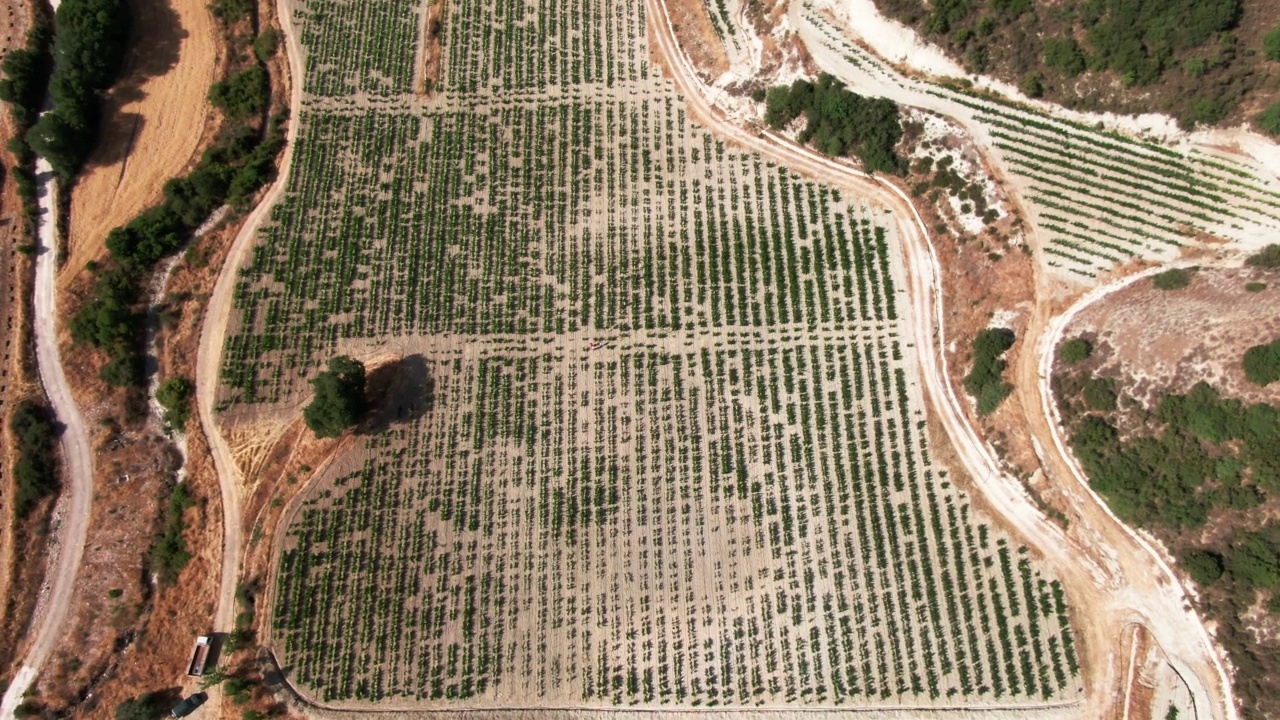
(668, 448)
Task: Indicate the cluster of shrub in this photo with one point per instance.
(26, 76)
(170, 553)
(1197, 458)
(1141, 41)
(985, 382)
(35, 470)
(840, 122)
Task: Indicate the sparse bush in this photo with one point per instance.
(170, 554)
(242, 94)
(1100, 394)
(1064, 55)
(1075, 350)
(1262, 363)
(1172, 279)
(232, 11)
(1271, 44)
(35, 470)
(146, 707)
(174, 395)
(1255, 287)
(1204, 566)
(264, 47)
(1031, 85)
(1254, 562)
(1269, 119)
(985, 381)
(1268, 258)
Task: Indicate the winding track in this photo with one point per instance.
(77, 457)
(212, 335)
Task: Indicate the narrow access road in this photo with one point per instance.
(77, 457)
(213, 334)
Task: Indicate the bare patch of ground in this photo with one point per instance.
(1167, 341)
(156, 118)
(432, 47)
(698, 37)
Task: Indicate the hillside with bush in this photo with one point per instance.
(1200, 471)
(1202, 61)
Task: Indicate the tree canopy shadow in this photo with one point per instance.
(155, 44)
(399, 392)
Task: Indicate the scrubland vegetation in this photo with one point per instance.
(840, 122)
(1187, 58)
(1192, 462)
(35, 468)
(1262, 363)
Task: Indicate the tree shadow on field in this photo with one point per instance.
(399, 392)
(154, 46)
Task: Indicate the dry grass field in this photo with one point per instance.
(154, 121)
(655, 436)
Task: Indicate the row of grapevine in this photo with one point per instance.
(739, 525)
(675, 453)
(1101, 198)
(583, 227)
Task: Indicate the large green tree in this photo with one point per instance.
(339, 401)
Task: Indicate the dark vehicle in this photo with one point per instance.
(188, 706)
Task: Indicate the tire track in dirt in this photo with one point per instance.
(212, 337)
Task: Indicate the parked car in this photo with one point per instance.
(188, 706)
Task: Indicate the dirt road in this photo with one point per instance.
(1112, 576)
(212, 337)
(71, 517)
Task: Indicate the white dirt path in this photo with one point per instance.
(71, 517)
(212, 337)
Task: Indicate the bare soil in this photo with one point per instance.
(1167, 341)
(433, 47)
(1235, 70)
(156, 119)
(698, 37)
